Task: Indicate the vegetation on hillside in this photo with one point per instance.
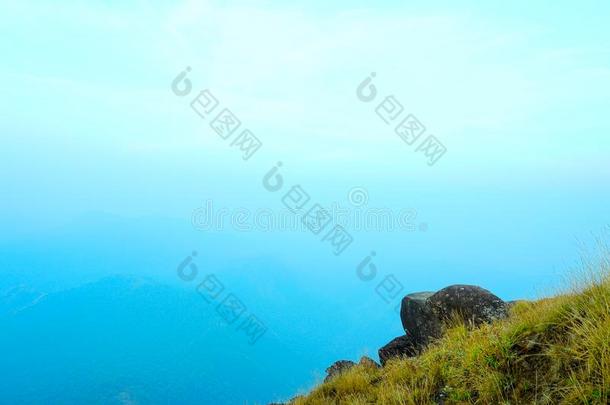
(551, 351)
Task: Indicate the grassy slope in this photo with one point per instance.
(551, 351)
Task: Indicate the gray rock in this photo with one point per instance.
(338, 367)
(424, 315)
(417, 318)
(475, 305)
(402, 346)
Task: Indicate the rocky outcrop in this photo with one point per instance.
(424, 315)
(474, 305)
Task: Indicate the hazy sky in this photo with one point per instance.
(518, 93)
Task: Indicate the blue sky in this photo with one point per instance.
(517, 93)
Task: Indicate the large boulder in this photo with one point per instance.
(424, 315)
(474, 305)
(402, 346)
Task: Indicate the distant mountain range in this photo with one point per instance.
(128, 340)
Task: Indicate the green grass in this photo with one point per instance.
(550, 351)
